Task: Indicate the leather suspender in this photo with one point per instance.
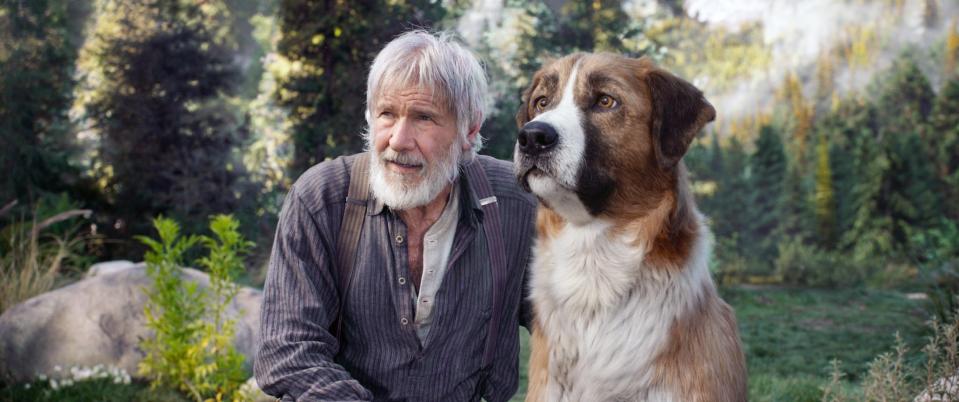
(497, 253)
(349, 237)
(350, 228)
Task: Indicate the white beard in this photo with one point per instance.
(405, 191)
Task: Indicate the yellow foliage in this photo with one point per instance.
(824, 77)
(952, 49)
(861, 46)
(723, 55)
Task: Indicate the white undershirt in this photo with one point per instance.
(437, 244)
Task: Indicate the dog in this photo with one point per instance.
(625, 308)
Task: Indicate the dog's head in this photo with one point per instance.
(602, 134)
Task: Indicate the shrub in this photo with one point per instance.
(192, 348)
(938, 256)
(893, 377)
(804, 264)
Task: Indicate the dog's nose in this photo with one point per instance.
(536, 137)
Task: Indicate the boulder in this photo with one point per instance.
(108, 267)
(943, 390)
(99, 321)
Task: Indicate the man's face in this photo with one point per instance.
(416, 149)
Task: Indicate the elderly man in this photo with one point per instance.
(408, 288)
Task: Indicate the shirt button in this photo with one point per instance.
(404, 321)
(402, 280)
(399, 239)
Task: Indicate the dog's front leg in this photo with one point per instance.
(538, 373)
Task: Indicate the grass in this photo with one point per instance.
(30, 263)
(790, 337)
(103, 390)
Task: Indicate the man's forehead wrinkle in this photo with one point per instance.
(414, 98)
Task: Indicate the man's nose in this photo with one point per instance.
(403, 137)
(537, 137)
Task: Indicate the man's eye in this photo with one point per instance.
(606, 102)
(425, 117)
(541, 103)
(386, 114)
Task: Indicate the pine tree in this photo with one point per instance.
(40, 39)
(731, 195)
(327, 47)
(797, 117)
(825, 208)
(913, 200)
(716, 160)
(767, 169)
(851, 122)
(905, 98)
(945, 141)
(167, 135)
(796, 216)
(825, 76)
(870, 236)
(712, 172)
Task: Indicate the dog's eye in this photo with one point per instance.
(606, 102)
(541, 103)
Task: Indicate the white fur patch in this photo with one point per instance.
(567, 159)
(606, 314)
(561, 199)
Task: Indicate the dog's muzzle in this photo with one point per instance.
(533, 145)
(536, 138)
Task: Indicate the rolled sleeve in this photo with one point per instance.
(300, 301)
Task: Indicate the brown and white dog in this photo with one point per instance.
(625, 307)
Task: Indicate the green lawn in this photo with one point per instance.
(791, 335)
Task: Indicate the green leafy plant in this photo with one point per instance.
(192, 346)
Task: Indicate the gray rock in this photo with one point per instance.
(99, 320)
(943, 390)
(108, 267)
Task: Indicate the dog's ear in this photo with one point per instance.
(679, 112)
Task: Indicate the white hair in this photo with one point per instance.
(440, 63)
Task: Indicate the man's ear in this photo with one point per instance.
(471, 136)
(679, 112)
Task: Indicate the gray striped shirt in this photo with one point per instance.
(380, 357)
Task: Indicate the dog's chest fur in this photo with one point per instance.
(606, 314)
